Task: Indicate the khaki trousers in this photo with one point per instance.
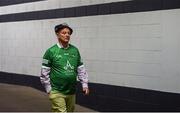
(61, 102)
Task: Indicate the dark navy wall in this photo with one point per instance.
(91, 10)
(108, 97)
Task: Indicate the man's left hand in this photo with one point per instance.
(86, 91)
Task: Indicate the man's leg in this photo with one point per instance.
(58, 101)
(70, 103)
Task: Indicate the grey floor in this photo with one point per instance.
(15, 98)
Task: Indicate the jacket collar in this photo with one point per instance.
(60, 45)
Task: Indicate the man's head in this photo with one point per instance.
(63, 32)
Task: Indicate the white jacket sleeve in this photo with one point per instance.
(83, 76)
(44, 78)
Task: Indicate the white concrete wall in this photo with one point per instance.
(135, 49)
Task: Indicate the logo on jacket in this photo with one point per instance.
(68, 66)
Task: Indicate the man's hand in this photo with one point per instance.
(86, 91)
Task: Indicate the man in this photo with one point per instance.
(61, 66)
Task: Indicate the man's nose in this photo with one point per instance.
(67, 34)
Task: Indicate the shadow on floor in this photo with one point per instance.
(15, 98)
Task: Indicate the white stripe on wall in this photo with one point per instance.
(50, 4)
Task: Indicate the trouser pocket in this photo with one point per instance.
(52, 95)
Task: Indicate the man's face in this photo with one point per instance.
(64, 35)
